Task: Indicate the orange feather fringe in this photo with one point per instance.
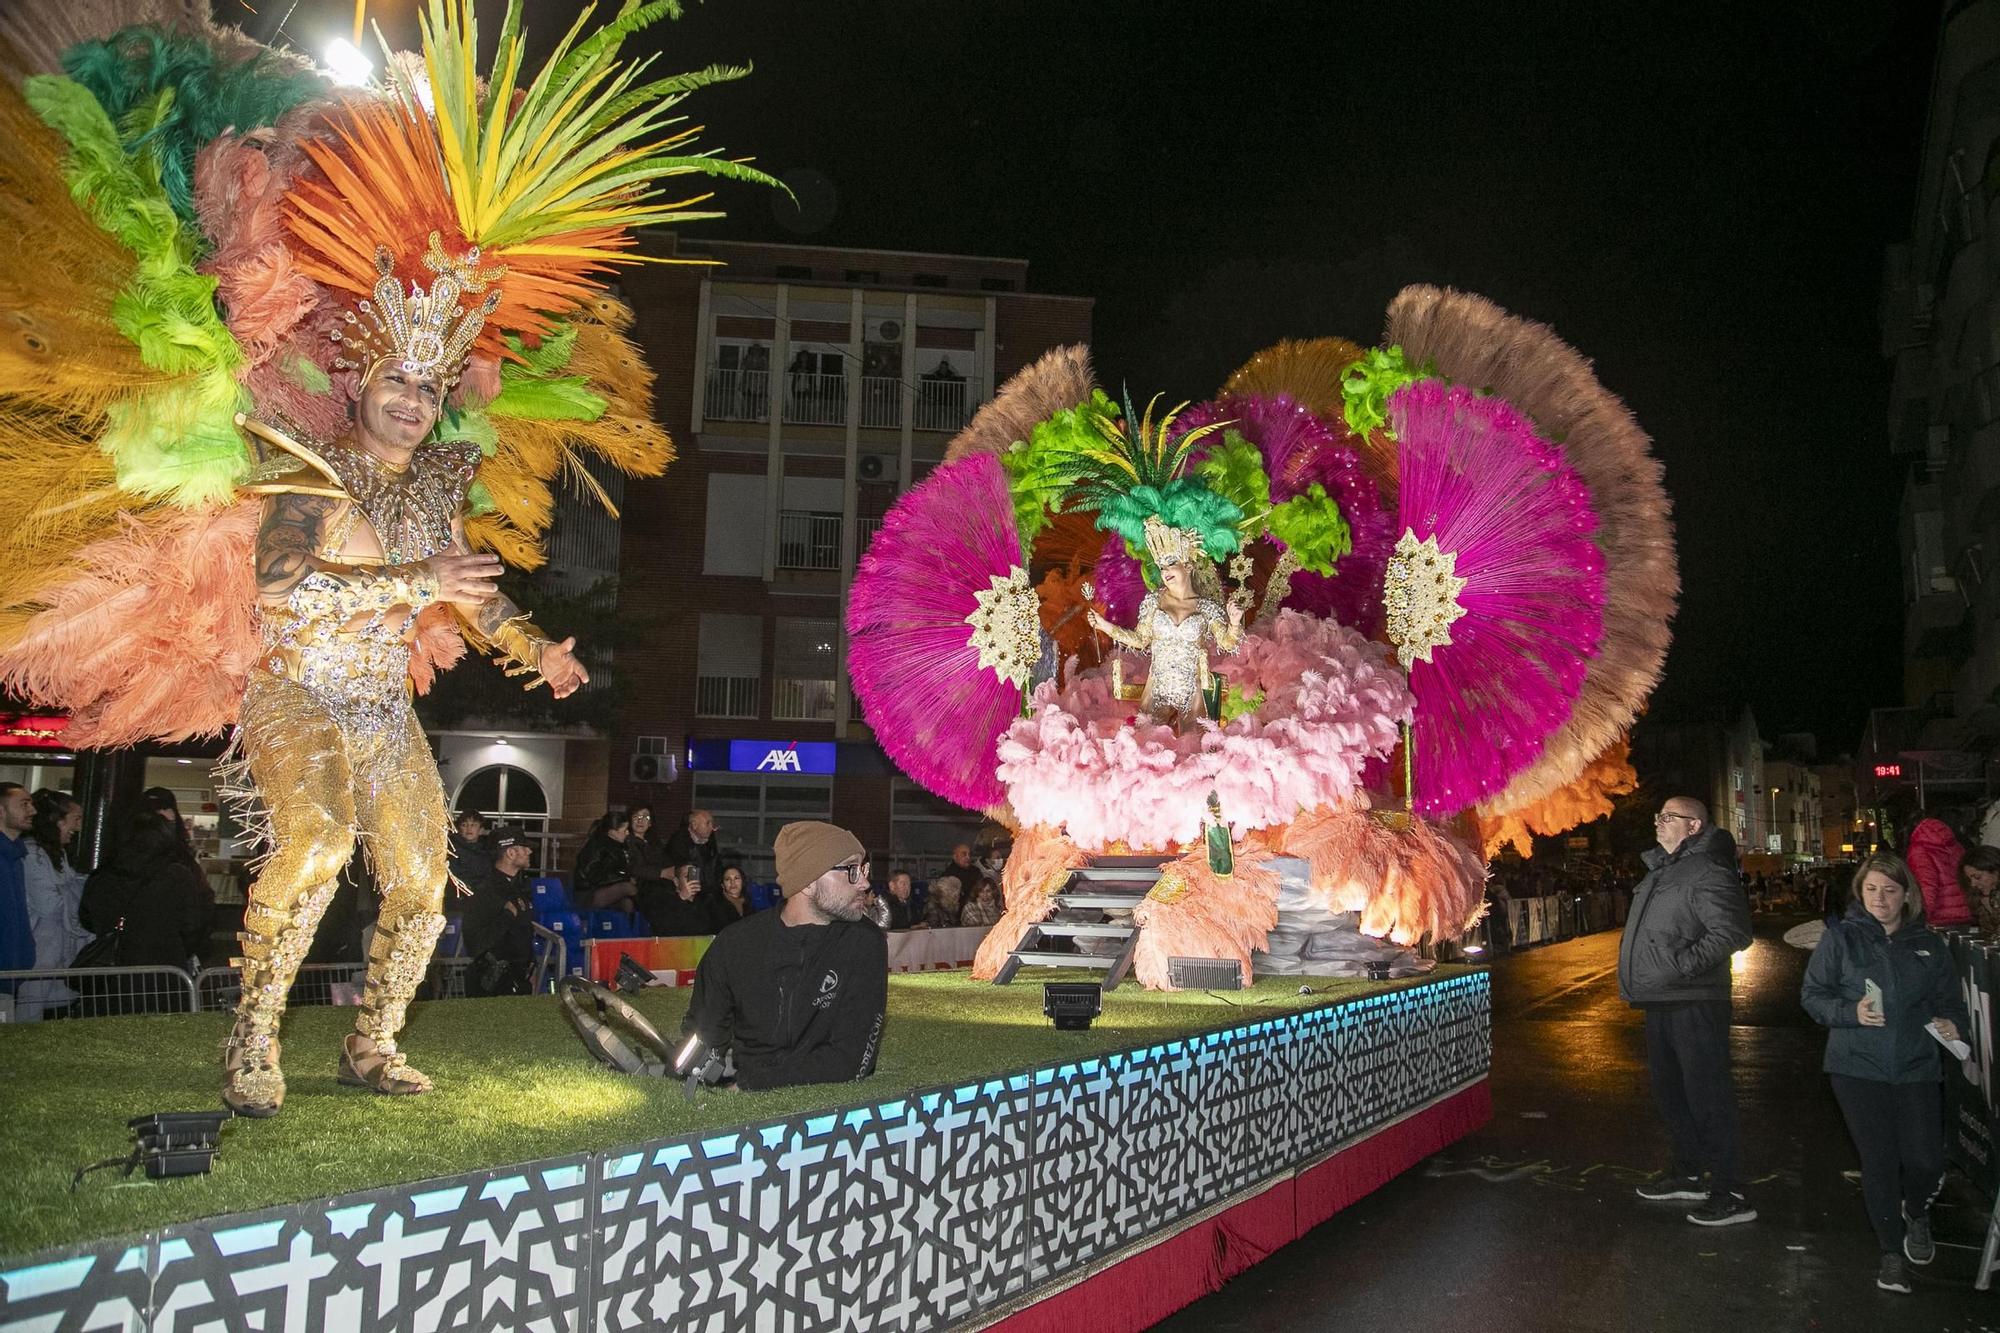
(1215, 917)
(1037, 868)
(1587, 798)
(1406, 883)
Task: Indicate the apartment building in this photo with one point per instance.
(806, 388)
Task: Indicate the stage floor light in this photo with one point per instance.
(1072, 1004)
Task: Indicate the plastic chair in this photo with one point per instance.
(550, 895)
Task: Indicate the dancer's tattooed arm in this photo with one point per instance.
(291, 570)
(291, 532)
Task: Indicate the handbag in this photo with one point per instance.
(104, 950)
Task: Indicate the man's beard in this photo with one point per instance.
(852, 909)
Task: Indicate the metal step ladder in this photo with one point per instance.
(1096, 904)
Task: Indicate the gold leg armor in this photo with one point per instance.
(253, 1084)
(293, 752)
(403, 819)
(323, 775)
(397, 960)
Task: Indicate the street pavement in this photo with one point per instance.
(1531, 1224)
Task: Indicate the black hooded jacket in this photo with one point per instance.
(1688, 915)
(1913, 968)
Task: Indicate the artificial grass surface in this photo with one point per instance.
(513, 1084)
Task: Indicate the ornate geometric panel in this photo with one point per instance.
(916, 1212)
(908, 1214)
(498, 1249)
(83, 1287)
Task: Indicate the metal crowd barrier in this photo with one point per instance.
(1969, 1088)
(34, 994)
(554, 947)
(1552, 917)
(40, 994)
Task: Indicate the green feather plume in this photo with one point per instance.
(535, 389)
(132, 68)
(176, 442)
(1365, 388)
(1311, 526)
(1235, 470)
(1181, 503)
(1059, 455)
(1236, 702)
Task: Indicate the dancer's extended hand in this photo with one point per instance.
(560, 668)
(465, 578)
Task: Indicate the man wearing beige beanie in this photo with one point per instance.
(798, 994)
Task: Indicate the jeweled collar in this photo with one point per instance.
(412, 508)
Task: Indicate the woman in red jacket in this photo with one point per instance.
(1934, 855)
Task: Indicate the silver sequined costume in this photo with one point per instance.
(1179, 649)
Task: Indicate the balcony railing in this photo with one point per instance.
(816, 400)
(864, 535)
(945, 404)
(821, 400)
(796, 700)
(725, 696)
(881, 402)
(737, 395)
(808, 540)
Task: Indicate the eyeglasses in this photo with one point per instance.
(856, 873)
(1665, 815)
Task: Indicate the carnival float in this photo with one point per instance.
(1317, 646)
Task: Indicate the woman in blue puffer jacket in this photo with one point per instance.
(1879, 978)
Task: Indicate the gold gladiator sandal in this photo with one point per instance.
(397, 961)
(252, 1083)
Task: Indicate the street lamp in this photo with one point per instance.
(1774, 821)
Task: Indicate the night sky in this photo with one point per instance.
(1697, 196)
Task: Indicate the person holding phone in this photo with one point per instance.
(1881, 982)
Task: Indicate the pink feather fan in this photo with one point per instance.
(935, 710)
(1504, 503)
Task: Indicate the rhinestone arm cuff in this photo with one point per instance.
(342, 593)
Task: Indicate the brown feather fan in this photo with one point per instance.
(1059, 379)
(1309, 371)
(33, 35)
(1473, 341)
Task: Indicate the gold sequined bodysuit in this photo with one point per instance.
(332, 754)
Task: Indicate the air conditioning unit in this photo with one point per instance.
(889, 331)
(875, 467)
(654, 768)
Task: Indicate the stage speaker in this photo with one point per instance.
(1205, 973)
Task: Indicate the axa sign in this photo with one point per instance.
(784, 759)
(781, 756)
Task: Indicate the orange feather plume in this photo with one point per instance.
(381, 181)
(1587, 797)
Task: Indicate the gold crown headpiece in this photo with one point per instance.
(424, 332)
(1172, 546)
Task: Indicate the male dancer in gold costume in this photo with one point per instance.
(355, 542)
